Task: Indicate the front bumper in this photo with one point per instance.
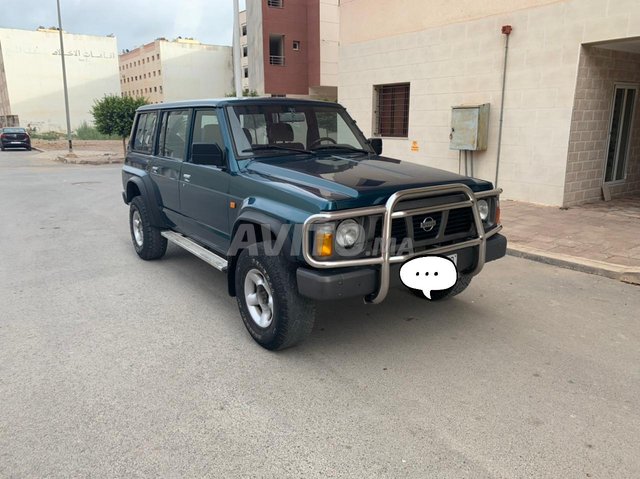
(386, 259)
(342, 283)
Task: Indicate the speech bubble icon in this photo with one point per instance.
(429, 273)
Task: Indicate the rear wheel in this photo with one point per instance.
(436, 295)
(275, 315)
(147, 239)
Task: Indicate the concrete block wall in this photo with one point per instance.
(461, 63)
(600, 69)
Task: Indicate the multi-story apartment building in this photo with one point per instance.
(176, 70)
(571, 125)
(31, 77)
(290, 47)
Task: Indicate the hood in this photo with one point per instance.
(351, 182)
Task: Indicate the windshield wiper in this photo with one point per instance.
(342, 147)
(276, 147)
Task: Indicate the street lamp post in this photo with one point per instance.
(64, 80)
(237, 68)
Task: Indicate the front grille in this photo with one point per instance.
(460, 221)
(459, 224)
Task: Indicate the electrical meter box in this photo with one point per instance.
(469, 127)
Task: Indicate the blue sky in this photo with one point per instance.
(133, 22)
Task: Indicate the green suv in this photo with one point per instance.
(296, 206)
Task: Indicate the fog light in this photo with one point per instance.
(347, 233)
(483, 209)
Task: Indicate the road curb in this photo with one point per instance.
(584, 265)
(109, 160)
(38, 149)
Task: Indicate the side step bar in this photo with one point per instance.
(192, 247)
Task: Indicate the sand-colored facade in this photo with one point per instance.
(453, 55)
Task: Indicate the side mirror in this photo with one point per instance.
(207, 154)
(376, 144)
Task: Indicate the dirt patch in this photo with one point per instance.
(107, 146)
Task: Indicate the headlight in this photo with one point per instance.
(347, 234)
(483, 209)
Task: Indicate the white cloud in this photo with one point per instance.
(133, 22)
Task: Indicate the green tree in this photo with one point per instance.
(113, 115)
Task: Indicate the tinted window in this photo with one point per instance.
(14, 130)
(173, 134)
(145, 133)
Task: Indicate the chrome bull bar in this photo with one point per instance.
(385, 259)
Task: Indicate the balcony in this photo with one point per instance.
(276, 60)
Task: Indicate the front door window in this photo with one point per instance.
(620, 132)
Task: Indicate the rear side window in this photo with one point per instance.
(173, 134)
(145, 132)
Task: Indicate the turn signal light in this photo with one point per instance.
(323, 244)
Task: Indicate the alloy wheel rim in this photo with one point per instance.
(259, 298)
(136, 223)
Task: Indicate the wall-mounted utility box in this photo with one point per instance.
(469, 127)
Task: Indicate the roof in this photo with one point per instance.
(219, 102)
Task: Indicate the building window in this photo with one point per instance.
(155, 89)
(296, 45)
(276, 50)
(160, 88)
(245, 51)
(392, 110)
(244, 30)
(275, 3)
(246, 73)
(154, 73)
(159, 72)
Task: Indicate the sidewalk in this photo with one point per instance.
(600, 238)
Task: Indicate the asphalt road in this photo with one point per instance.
(115, 367)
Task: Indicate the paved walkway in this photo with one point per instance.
(602, 238)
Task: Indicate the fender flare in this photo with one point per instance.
(152, 207)
(258, 219)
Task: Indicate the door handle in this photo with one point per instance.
(155, 169)
(186, 177)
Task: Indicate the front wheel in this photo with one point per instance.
(147, 239)
(273, 312)
(459, 287)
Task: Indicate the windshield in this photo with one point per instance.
(14, 130)
(285, 128)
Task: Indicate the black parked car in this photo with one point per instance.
(11, 137)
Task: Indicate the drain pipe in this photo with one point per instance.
(506, 30)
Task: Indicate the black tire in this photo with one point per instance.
(28, 148)
(152, 245)
(459, 287)
(292, 316)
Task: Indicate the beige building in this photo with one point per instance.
(571, 128)
(176, 70)
(31, 76)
